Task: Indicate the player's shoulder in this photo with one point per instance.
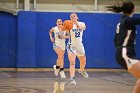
(55, 28)
(81, 23)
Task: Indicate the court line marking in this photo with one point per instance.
(118, 82)
(6, 74)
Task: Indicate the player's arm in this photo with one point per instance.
(67, 35)
(50, 33)
(81, 25)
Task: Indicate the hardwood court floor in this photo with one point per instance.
(46, 82)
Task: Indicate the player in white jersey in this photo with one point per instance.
(75, 48)
(59, 47)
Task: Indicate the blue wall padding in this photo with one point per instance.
(8, 40)
(34, 48)
(138, 39)
(26, 40)
(138, 42)
(111, 21)
(98, 40)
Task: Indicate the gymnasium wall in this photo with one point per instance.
(31, 46)
(8, 40)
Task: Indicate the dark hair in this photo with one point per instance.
(126, 7)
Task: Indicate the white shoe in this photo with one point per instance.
(84, 73)
(72, 81)
(62, 74)
(56, 71)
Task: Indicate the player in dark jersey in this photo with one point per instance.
(125, 38)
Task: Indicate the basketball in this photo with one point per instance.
(67, 25)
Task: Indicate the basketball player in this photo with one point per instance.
(59, 47)
(75, 48)
(125, 40)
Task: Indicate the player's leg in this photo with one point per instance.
(62, 73)
(82, 60)
(59, 62)
(137, 87)
(80, 51)
(133, 66)
(72, 58)
(135, 70)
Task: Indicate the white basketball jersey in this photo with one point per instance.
(76, 34)
(56, 35)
